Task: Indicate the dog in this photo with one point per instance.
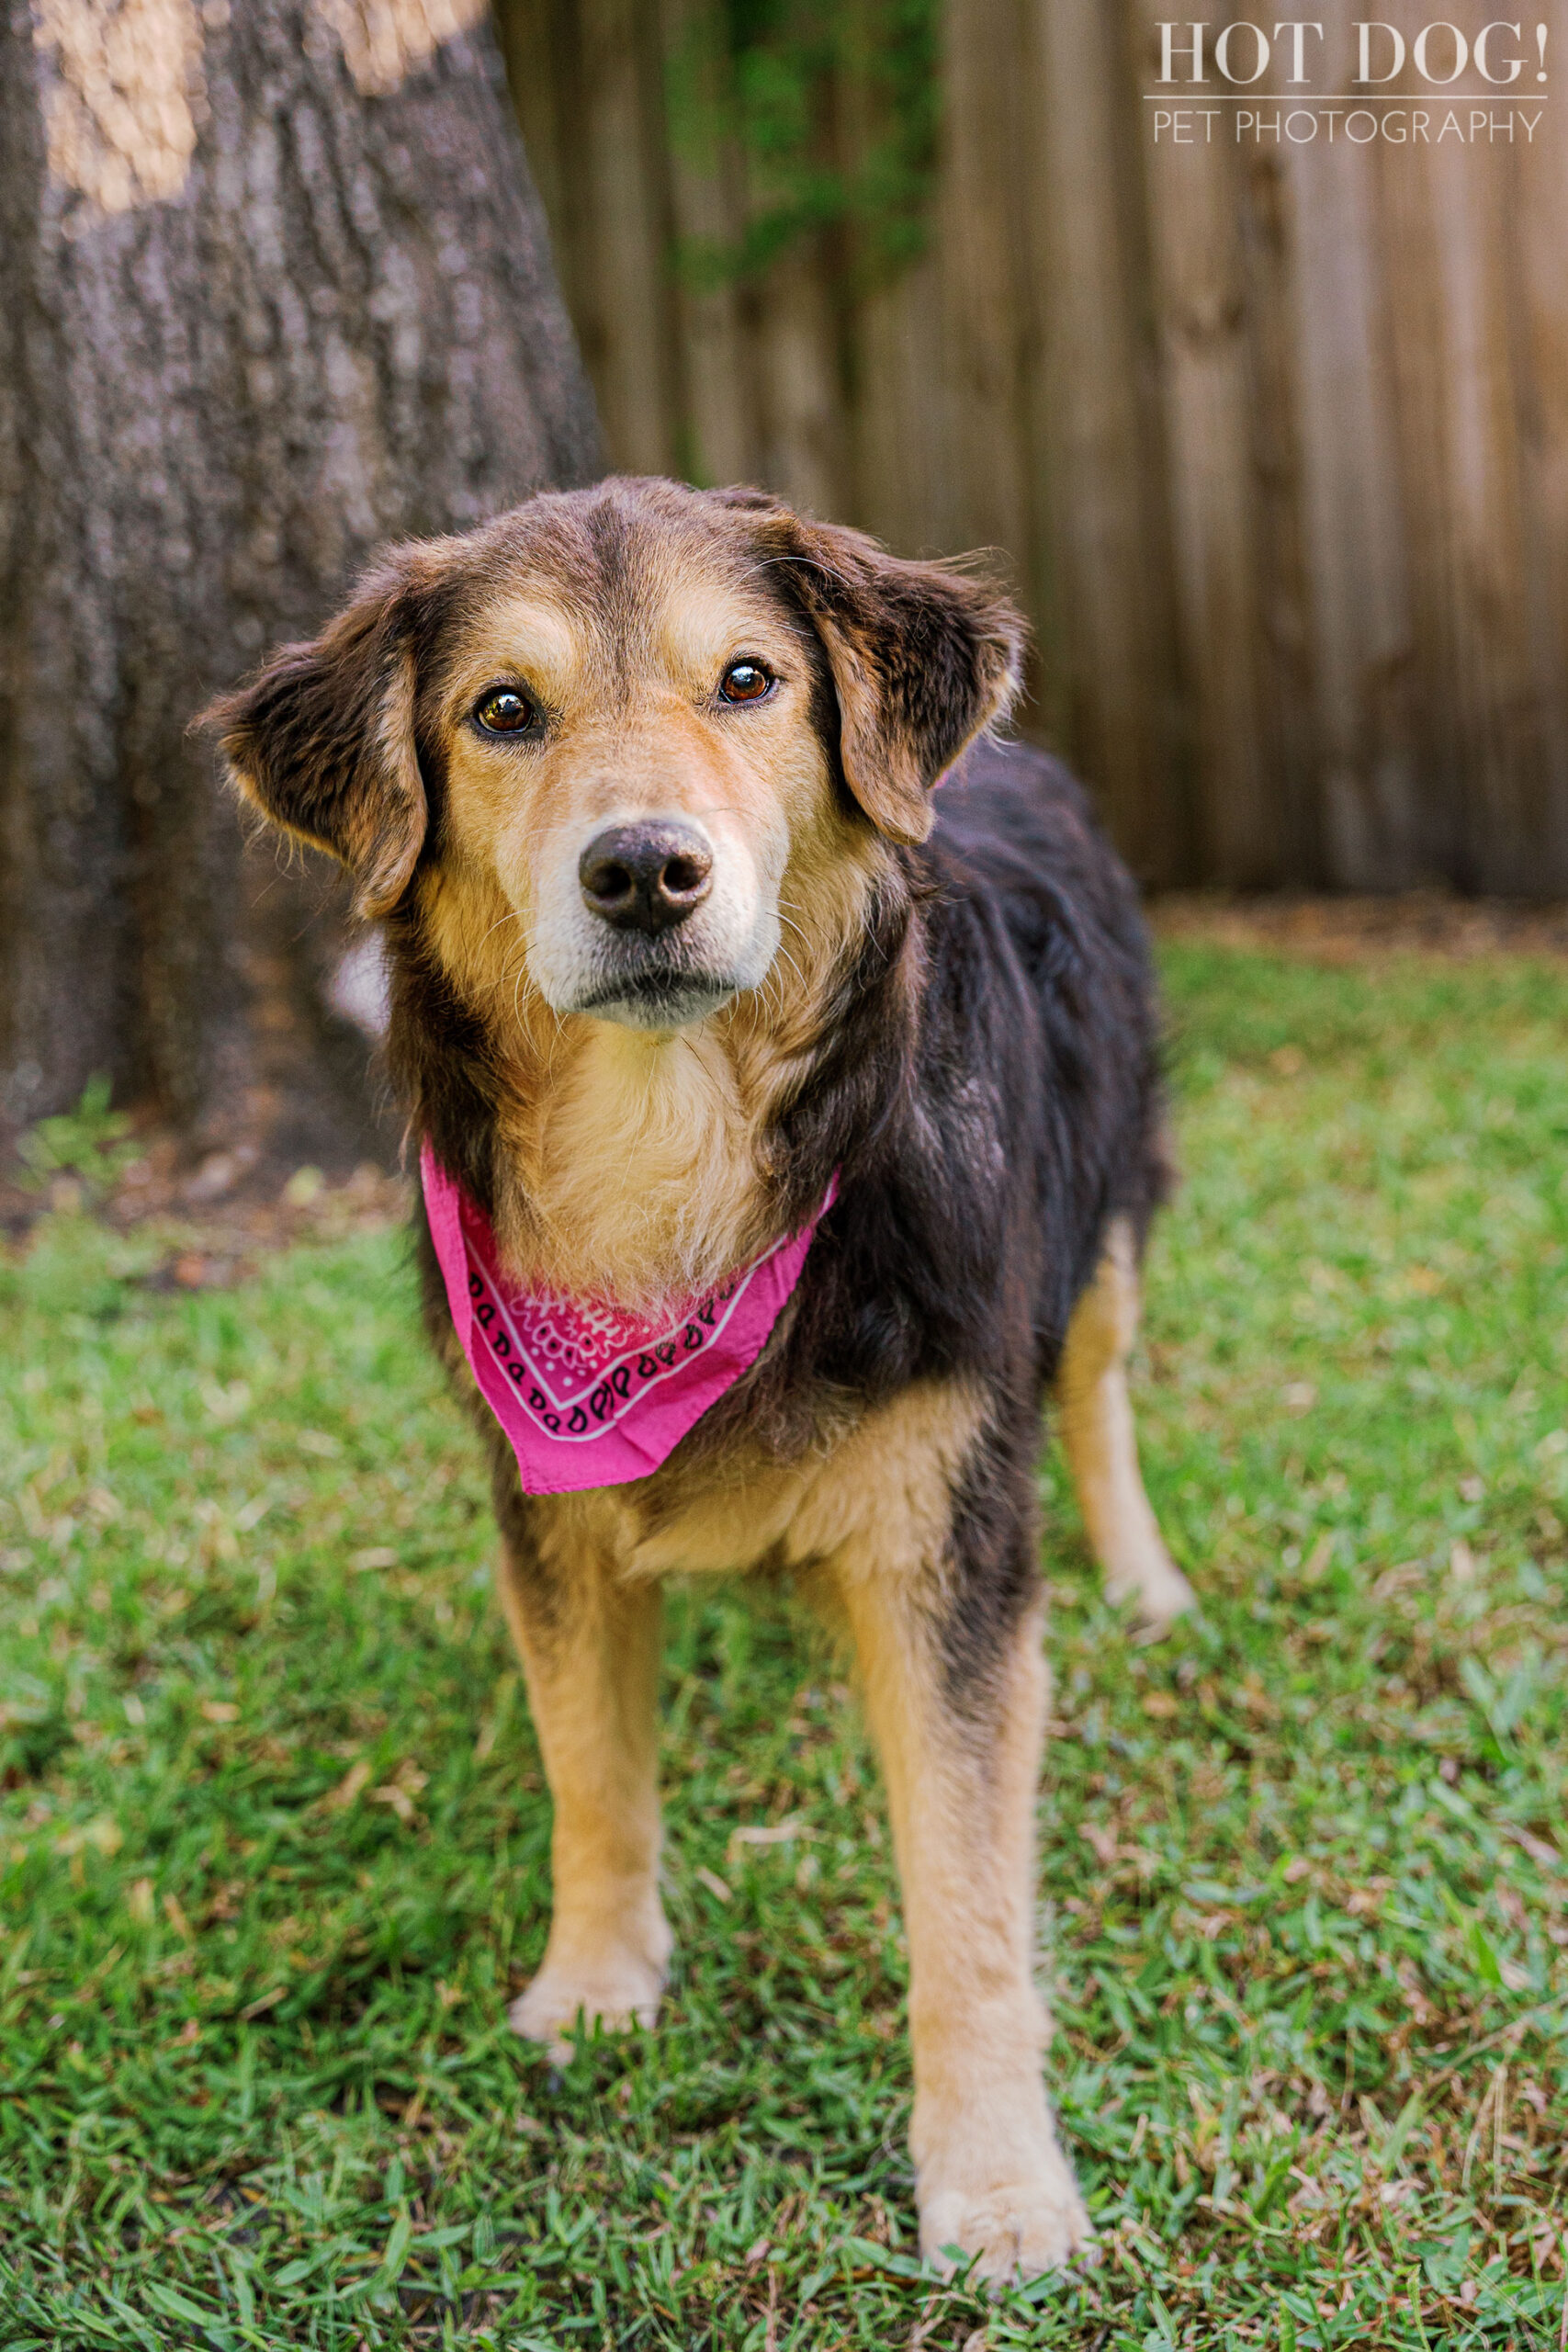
(730, 951)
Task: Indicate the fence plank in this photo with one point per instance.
(803, 452)
(624, 303)
(1362, 646)
(1459, 410)
(1111, 607)
(982, 495)
(1201, 299)
(721, 441)
(893, 350)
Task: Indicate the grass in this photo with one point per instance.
(273, 1832)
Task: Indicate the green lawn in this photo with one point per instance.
(273, 1834)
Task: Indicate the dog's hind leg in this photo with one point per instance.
(1102, 1447)
(590, 1651)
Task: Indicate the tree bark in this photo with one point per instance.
(274, 289)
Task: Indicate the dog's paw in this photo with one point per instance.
(1157, 1589)
(1158, 1611)
(1019, 2229)
(615, 1994)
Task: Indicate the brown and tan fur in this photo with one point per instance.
(644, 1163)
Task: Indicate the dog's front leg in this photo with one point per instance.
(590, 1651)
(957, 1711)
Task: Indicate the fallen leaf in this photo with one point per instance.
(1399, 1579)
(105, 1835)
(1537, 1848)
(776, 1833)
(348, 1789)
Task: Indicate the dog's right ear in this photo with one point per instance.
(322, 740)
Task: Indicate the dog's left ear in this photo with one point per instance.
(923, 656)
(322, 740)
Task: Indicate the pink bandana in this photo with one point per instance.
(590, 1396)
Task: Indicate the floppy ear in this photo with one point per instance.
(923, 656)
(322, 741)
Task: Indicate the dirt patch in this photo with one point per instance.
(1355, 930)
(214, 1220)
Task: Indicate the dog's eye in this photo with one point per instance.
(744, 681)
(504, 711)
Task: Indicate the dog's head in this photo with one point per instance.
(622, 728)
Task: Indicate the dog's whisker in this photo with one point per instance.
(783, 951)
(803, 936)
(512, 915)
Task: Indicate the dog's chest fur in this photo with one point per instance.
(880, 1482)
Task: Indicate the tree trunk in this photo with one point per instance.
(273, 288)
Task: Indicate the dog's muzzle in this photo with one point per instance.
(644, 881)
(663, 927)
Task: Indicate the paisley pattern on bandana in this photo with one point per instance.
(588, 1395)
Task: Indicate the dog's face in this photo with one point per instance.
(610, 734)
(631, 751)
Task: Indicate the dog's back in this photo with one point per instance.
(1015, 832)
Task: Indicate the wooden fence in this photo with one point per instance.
(1273, 432)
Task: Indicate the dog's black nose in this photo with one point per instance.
(646, 877)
